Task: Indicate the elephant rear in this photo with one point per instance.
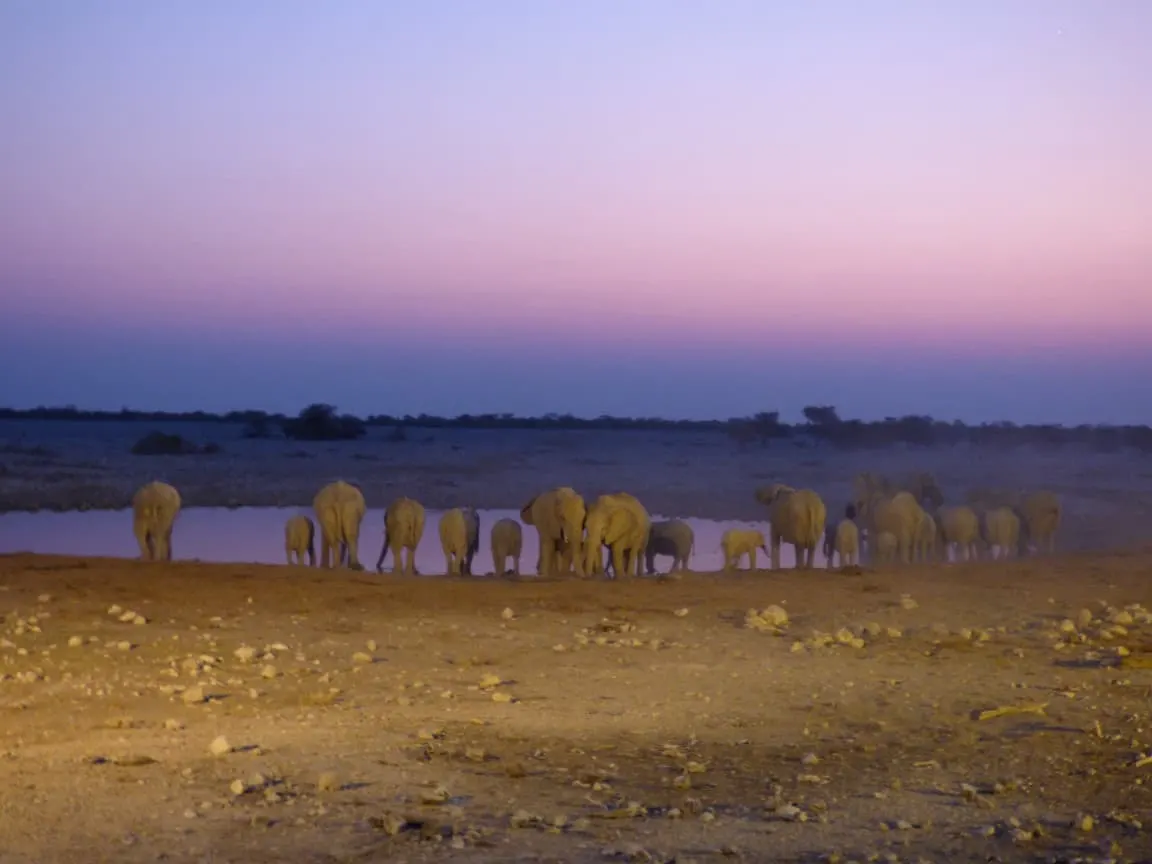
(155, 507)
(1042, 513)
(810, 516)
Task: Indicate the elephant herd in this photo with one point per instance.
(889, 522)
(909, 522)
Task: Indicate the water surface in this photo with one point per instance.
(256, 535)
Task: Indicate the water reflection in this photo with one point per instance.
(256, 535)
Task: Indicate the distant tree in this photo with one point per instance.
(320, 422)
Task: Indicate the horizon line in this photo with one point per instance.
(72, 413)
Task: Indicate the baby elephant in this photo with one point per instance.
(299, 537)
(507, 541)
(845, 543)
(738, 542)
(842, 537)
(674, 538)
(459, 538)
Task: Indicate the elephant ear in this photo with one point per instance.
(526, 512)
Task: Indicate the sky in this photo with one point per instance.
(655, 207)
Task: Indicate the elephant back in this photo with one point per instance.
(798, 517)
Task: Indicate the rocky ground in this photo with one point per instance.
(190, 713)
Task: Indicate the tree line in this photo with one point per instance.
(822, 425)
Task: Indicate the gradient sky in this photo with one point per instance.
(651, 207)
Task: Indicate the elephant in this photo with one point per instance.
(155, 507)
(795, 516)
(898, 515)
(887, 545)
(926, 543)
(460, 539)
(507, 541)
(1001, 532)
(738, 542)
(845, 543)
(403, 528)
(620, 522)
(673, 537)
(299, 538)
(558, 516)
(340, 509)
(921, 485)
(958, 528)
(830, 532)
(1040, 512)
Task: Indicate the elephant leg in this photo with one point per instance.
(775, 554)
(140, 530)
(448, 568)
(752, 559)
(397, 562)
(411, 569)
(618, 567)
(497, 562)
(163, 544)
(516, 565)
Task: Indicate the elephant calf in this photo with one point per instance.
(507, 542)
(459, 538)
(674, 538)
(738, 542)
(845, 543)
(299, 538)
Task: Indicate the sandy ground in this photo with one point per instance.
(375, 719)
(76, 465)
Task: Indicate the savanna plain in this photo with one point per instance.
(187, 712)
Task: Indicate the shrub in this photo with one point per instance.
(319, 422)
(163, 444)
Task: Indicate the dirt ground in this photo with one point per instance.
(79, 466)
(368, 718)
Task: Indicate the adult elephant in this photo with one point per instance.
(899, 515)
(155, 507)
(403, 529)
(459, 539)
(558, 516)
(795, 516)
(339, 509)
(620, 522)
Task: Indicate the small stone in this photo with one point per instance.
(245, 654)
(488, 681)
(173, 725)
(193, 695)
(114, 610)
(507, 614)
(681, 613)
(44, 598)
(328, 782)
(777, 616)
(75, 641)
(238, 787)
(436, 795)
(501, 696)
(269, 671)
(907, 602)
(1086, 822)
(219, 746)
(139, 620)
(125, 645)
(371, 646)
(361, 658)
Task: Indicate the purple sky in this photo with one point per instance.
(659, 207)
